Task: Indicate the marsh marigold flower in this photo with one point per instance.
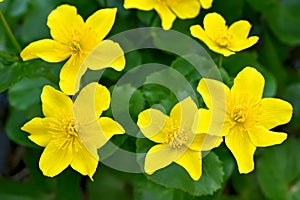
(247, 117)
(81, 42)
(177, 141)
(222, 39)
(168, 10)
(72, 132)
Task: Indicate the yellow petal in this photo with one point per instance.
(140, 4)
(214, 25)
(152, 123)
(39, 131)
(102, 21)
(64, 23)
(274, 112)
(91, 101)
(106, 54)
(166, 15)
(185, 9)
(70, 75)
(192, 163)
(214, 122)
(46, 49)
(214, 93)
(84, 162)
(205, 142)
(199, 33)
(54, 160)
(55, 103)
(240, 31)
(158, 157)
(262, 137)
(109, 127)
(243, 44)
(240, 145)
(183, 113)
(248, 82)
(206, 4)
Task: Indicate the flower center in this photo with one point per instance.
(239, 113)
(176, 137)
(75, 47)
(70, 128)
(224, 40)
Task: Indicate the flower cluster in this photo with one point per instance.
(72, 130)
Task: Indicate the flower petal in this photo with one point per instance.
(70, 75)
(152, 123)
(199, 33)
(192, 163)
(39, 131)
(214, 93)
(84, 162)
(54, 160)
(55, 103)
(91, 101)
(46, 49)
(206, 4)
(185, 9)
(166, 15)
(158, 157)
(205, 142)
(214, 25)
(240, 31)
(243, 44)
(274, 112)
(102, 21)
(240, 145)
(262, 137)
(109, 127)
(140, 4)
(183, 113)
(106, 54)
(212, 122)
(248, 82)
(64, 23)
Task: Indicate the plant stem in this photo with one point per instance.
(9, 32)
(220, 61)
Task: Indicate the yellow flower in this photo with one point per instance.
(221, 39)
(81, 42)
(247, 117)
(177, 140)
(72, 132)
(168, 10)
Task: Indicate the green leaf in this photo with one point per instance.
(283, 18)
(9, 74)
(27, 92)
(109, 184)
(280, 165)
(13, 126)
(176, 177)
(292, 94)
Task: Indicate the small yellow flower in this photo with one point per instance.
(72, 132)
(247, 116)
(168, 10)
(81, 42)
(221, 39)
(177, 140)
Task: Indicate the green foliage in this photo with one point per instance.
(165, 79)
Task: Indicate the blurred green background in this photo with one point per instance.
(277, 56)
